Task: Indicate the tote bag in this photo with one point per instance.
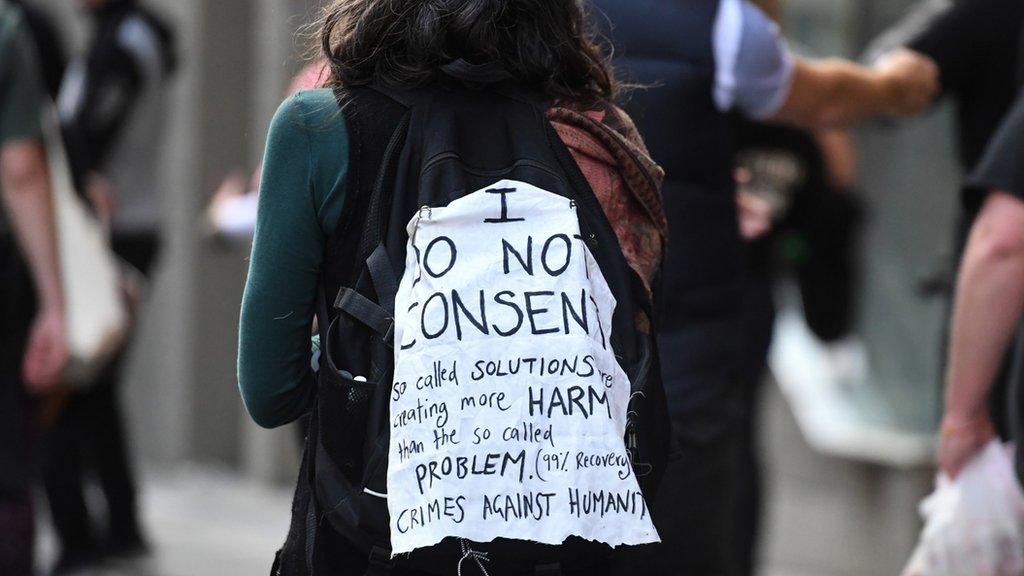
(96, 313)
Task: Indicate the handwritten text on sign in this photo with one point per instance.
(508, 408)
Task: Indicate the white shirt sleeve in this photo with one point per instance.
(753, 65)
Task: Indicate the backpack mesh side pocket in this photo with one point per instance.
(344, 406)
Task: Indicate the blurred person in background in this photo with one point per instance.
(32, 345)
(798, 212)
(49, 45)
(799, 217)
(698, 62)
(232, 210)
(989, 302)
(113, 108)
(978, 47)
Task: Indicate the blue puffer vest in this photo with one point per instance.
(665, 46)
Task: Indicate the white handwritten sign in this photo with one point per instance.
(508, 408)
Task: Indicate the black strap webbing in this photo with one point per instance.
(311, 530)
(308, 475)
(384, 280)
(380, 562)
(366, 311)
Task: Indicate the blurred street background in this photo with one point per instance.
(826, 516)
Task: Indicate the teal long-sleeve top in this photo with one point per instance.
(302, 194)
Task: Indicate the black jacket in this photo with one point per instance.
(110, 78)
(666, 46)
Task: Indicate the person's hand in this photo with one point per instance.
(46, 353)
(962, 438)
(232, 210)
(753, 211)
(233, 186)
(911, 79)
(100, 193)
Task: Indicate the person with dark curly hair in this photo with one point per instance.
(313, 179)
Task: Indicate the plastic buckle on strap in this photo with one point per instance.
(547, 570)
(344, 295)
(366, 311)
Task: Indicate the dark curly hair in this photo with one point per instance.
(405, 43)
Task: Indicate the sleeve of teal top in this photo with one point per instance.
(301, 197)
(21, 89)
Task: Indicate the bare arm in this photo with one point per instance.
(840, 155)
(26, 195)
(836, 92)
(989, 304)
(28, 202)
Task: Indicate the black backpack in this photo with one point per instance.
(447, 138)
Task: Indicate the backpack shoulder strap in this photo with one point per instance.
(371, 119)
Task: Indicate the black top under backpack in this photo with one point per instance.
(427, 148)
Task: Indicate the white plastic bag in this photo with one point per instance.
(974, 525)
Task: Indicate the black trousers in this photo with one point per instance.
(17, 413)
(89, 435)
(758, 324)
